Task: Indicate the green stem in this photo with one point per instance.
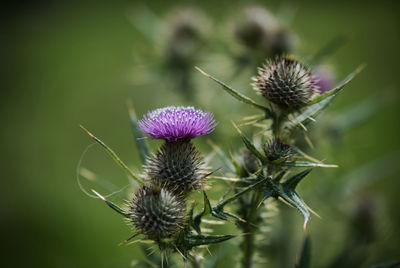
(250, 229)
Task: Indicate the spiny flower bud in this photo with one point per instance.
(285, 82)
(276, 149)
(177, 123)
(157, 213)
(178, 166)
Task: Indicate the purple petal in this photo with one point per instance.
(176, 123)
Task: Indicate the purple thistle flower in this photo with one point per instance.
(177, 123)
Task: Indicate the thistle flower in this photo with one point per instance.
(285, 82)
(276, 149)
(177, 123)
(157, 213)
(178, 166)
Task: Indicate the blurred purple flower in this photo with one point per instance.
(325, 78)
(177, 123)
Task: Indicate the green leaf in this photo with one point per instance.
(294, 181)
(294, 199)
(239, 96)
(305, 256)
(250, 146)
(219, 206)
(140, 140)
(206, 211)
(115, 157)
(112, 205)
(199, 240)
(308, 164)
(337, 88)
(311, 111)
(268, 192)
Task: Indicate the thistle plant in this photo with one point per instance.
(163, 209)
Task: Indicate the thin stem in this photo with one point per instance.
(250, 227)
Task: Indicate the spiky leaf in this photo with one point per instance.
(115, 157)
(206, 211)
(337, 88)
(237, 95)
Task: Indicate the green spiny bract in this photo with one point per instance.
(285, 82)
(276, 149)
(178, 166)
(157, 213)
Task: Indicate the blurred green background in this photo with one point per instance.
(67, 63)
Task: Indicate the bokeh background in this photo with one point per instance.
(67, 63)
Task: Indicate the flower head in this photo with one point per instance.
(286, 82)
(276, 149)
(156, 212)
(177, 123)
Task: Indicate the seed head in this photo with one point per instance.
(157, 213)
(285, 82)
(177, 123)
(178, 166)
(276, 149)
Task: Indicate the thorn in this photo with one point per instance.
(312, 119)
(243, 234)
(236, 127)
(99, 195)
(125, 241)
(361, 67)
(313, 212)
(202, 72)
(88, 132)
(208, 250)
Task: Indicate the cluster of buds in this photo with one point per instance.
(158, 209)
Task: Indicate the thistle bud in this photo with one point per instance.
(260, 30)
(157, 213)
(276, 149)
(178, 166)
(285, 82)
